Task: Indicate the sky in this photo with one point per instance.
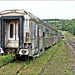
(43, 9)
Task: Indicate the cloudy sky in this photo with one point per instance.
(43, 9)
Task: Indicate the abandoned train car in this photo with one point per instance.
(25, 34)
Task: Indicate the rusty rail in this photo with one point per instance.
(7, 63)
(71, 42)
(42, 71)
(27, 62)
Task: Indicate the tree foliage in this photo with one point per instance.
(62, 24)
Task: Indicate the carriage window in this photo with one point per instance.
(11, 30)
(43, 34)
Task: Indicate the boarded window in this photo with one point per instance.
(11, 30)
(26, 39)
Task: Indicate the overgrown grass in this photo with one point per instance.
(5, 58)
(61, 62)
(12, 68)
(36, 65)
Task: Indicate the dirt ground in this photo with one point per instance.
(71, 51)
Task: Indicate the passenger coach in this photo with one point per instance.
(23, 33)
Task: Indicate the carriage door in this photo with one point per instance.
(13, 38)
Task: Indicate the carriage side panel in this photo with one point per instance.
(0, 32)
(40, 37)
(33, 37)
(59, 35)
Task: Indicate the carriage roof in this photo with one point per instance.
(22, 12)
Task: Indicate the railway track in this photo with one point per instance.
(72, 43)
(7, 63)
(17, 72)
(42, 71)
(14, 61)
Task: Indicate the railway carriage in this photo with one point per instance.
(25, 34)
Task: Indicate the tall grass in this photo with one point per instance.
(61, 62)
(36, 65)
(5, 58)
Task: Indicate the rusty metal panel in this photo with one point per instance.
(59, 35)
(13, 44)
(47, 42)
(36, 37)
(32, 37)
(27, 29)
(40, 43)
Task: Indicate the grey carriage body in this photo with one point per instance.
(24, 33)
